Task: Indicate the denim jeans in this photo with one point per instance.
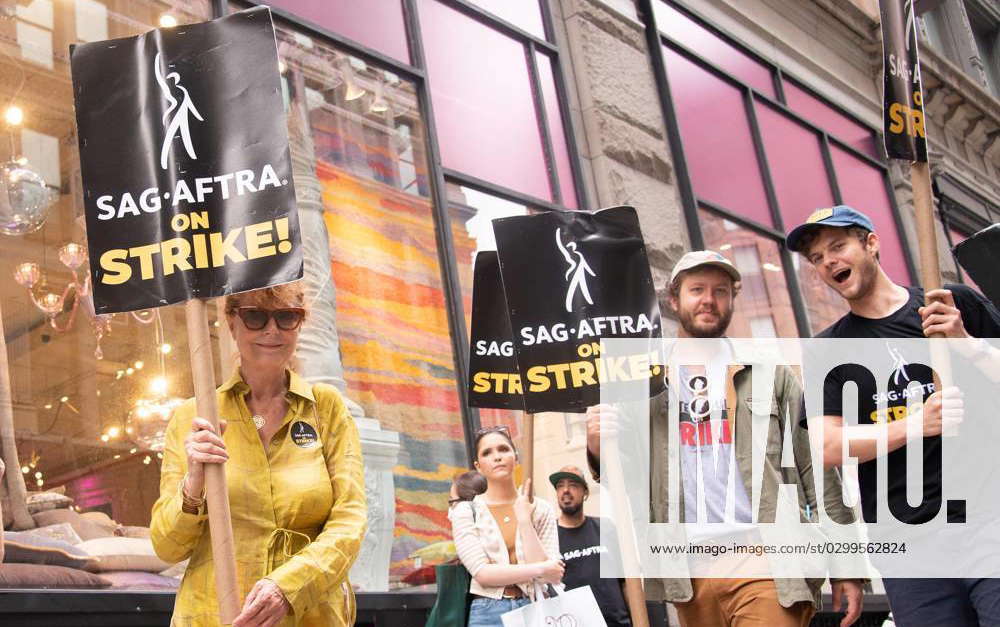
(951, 602)
(487, 612)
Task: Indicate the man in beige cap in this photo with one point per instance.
(714, 436)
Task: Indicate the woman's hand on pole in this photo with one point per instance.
(202, 446)
(265, 606)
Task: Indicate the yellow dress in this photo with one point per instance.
(308, 485)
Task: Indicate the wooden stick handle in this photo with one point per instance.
(615, 475)
(216, 493)
(528, 459)
(930, 267)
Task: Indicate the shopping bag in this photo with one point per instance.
(573, 608)
(451, 608)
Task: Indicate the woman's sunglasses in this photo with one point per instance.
(504, 429)
(256, 319)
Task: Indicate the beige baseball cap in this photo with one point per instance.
(698, 258)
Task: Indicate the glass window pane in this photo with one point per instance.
(829, 119)
(687, 32)
(557, 130)
(526, 14)
(377, 24)
(764, 294)
(721, 158)
(90, 395)
(957, 238)
(382, 332)
(863, 187)
(483, 104)
(796, 162)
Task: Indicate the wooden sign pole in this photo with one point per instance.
(216, 493)
(930, 266)
(635, 596)
(528, 461)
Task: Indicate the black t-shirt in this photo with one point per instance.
(981, 319)
(581, 551)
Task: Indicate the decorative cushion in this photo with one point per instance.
(127, 531)
(137, 580)
(39, 576)
(100, 519)
(123, 554)
(62, 532)
(84, 528)
(43, 501)
(24, 548)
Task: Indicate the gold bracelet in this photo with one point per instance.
(190, 504)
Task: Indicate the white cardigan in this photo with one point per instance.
(479, 541)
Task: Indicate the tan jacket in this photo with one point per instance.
(787, 393)
(479, 541)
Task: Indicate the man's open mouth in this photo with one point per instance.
(841, 275)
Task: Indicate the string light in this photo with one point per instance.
(166, 348)
(167, 21)
(139, 365)
(159, 386)
(14, 115)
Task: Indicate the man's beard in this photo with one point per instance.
(716, 330)
(571, 510)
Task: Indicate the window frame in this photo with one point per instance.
(690, 201)
(438, 175)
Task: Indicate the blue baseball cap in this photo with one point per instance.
(840, 216)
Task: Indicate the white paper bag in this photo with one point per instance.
(573, 608)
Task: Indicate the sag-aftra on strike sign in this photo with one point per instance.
(186, 172)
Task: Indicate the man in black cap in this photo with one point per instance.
(580, 543)
(843, 247)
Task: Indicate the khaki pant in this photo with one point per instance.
(740, 603)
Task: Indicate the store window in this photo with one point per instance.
(689, 33)
(956, 238)
(831, 120)
(485, 105)
(721, 157)
(525, 14)
(361, 168)
(816, 156)
(91, 394)
(377, 24)
(764, 293)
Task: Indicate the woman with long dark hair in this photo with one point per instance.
(508, 542)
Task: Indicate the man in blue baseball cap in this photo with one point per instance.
(843, 248)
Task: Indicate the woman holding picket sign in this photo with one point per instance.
(508, 542)
(294, 473)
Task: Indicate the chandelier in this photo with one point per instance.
(148, 419)
(53, 303)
